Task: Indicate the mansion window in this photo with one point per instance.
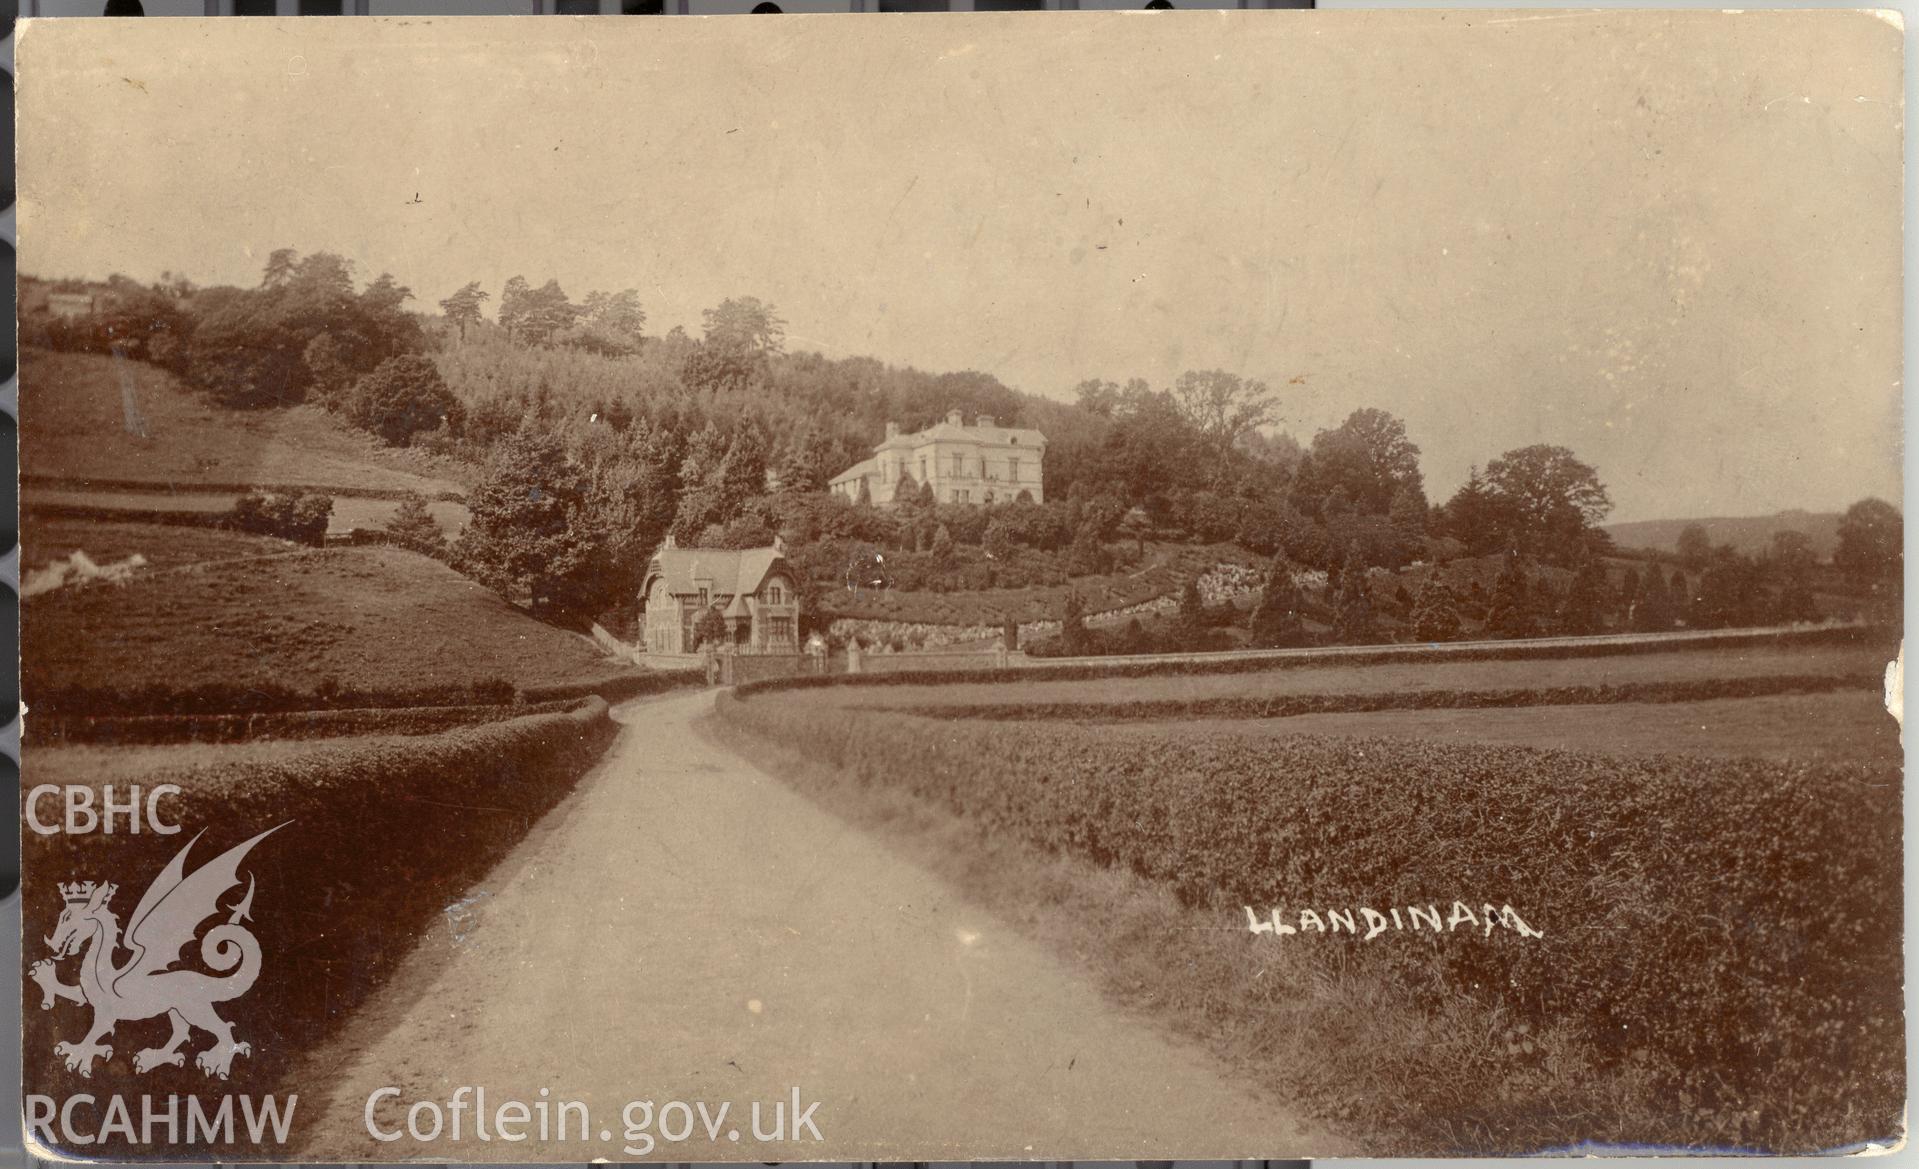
(1012, 470)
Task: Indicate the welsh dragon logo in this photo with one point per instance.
(150, 983)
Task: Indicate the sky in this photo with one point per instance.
(1668, 241)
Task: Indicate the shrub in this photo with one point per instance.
(302, 517)
(402, 398)
(413, 527)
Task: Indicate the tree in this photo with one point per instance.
(1628, 593)
(1545, 502)
(1436, 615)
(1223, 406)
(1277, 622)
(532, 534)
(616, 316)
(1192, 608)
(745, 323)
(1793, 560)
(1353, 606)
(545, 312)
(463, 307)
(1653, 611)
(403, 398)
(1367, 460)
(280, 267)
(413, 527)
(709, 628)
(1695, 547)
(1510, 612)
(1682, 598)
(1583, 612)
(1407, 515)
(513, 306)
(942, 550)
(1729, 592)
(1870, 550)
(1073, 638)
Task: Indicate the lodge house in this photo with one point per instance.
(981, 463)
(752, 589)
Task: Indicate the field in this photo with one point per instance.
(1690, 872)
(47, 538)
(1839, 661)
(1846, 726)
(372, 618)
(75, 427)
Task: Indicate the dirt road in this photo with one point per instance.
(687, 928)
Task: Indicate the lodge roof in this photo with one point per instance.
(723, 572)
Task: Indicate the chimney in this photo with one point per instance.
(892, 430)
(985, 422)
(955, 418)
(779, 544)
(670, 541)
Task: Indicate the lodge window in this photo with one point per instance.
(775, 595)
(704, 599)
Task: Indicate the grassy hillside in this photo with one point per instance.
(44, 539)
(367, 618)
(1747, 534)
(76, 425)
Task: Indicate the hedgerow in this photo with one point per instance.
(382, 836)
(617, 687)
(158, 698)
(1249, 664)
(52, 730)
(1289, 705)
(1721, 926)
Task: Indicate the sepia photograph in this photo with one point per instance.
(961, 587)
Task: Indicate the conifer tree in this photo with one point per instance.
(1436, 615)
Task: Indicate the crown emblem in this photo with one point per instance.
(77, 892)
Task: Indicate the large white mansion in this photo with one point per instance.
(981, 463)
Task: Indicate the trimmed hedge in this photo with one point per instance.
(1288, 705)
(298, 724)
(1177, 667)
(617, 687)
(382, 837)
(231, 698)
(1730, 927)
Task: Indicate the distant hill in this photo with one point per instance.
(1748, 534)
